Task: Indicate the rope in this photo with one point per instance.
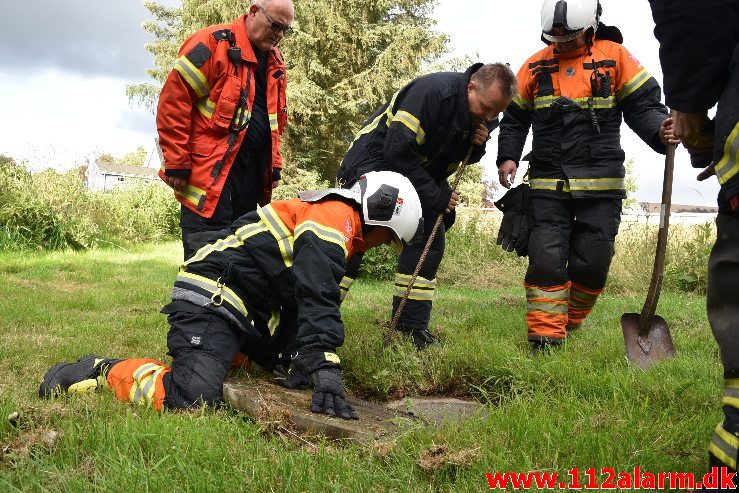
(426, 249)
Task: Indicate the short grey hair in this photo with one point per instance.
(497, 72)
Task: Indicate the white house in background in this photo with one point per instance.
(649, 212)
(102, 177)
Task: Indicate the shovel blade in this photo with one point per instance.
(655, 345)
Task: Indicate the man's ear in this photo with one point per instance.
(471, 86)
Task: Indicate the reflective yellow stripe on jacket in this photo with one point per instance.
(330, 235)
(233, 241)
(728, 166)
(209, 285)
(577, 184)
(144, 384)
(279, 231)
(193, 76)
(632, 85)
(206, 107)
(192, 194)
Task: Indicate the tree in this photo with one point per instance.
(346, 58)
(630, 185)
(134, 158)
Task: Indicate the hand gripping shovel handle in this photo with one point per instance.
(650, 305)
(426, 248)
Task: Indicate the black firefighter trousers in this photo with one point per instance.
(723, 315)
(417, 310)
(203, 344)
(572, 239)
(240, 195)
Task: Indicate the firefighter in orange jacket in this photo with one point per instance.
(268, 285)
(220, 118)
(574, 93)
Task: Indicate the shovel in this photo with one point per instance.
(647, 335)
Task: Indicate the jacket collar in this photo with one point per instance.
(570, 54)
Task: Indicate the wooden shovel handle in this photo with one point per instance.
(650, 305)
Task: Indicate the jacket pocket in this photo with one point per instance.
(540, 157)
(604, 155)
(227, 103)
(203, 149)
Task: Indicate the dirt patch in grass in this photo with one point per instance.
(441, 456)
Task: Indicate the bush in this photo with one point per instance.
(54, 211)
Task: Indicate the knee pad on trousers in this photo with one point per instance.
(547, 257)
(590, 260)
(196, 378)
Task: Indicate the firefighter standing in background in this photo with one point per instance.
(220, 118)
(423, 132)
(573, 94)
(270, 286)
(701, 70)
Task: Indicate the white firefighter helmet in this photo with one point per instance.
(389, 199)
(575, 16)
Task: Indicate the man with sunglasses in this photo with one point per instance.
(221, 115)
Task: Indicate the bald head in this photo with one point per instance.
(268, 21)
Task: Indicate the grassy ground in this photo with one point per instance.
(582, 406)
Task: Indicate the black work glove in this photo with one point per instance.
(517, 223)
(291, 379)
(329, 396)
(302, 365)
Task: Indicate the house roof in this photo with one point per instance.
(126, 170)
(654, 208)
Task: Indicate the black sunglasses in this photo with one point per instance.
(277, 28)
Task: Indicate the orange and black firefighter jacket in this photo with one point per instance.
(285, 258)
(202, 118)
(576, 148)
(423, 132)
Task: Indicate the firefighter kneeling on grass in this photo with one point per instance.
(268, 285)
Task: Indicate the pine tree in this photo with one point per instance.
(346, 58)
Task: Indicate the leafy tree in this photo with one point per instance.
(631, 186)
(346, 58)
(134, 158)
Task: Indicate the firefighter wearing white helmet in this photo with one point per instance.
(574, 94)
(268, 286)
(575, 16)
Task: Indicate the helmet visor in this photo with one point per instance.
(562, 38)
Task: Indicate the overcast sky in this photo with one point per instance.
(65, 66)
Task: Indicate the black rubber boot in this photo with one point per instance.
(422, 338)
(85, 375)
(542, 348)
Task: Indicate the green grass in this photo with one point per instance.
(582, 406)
